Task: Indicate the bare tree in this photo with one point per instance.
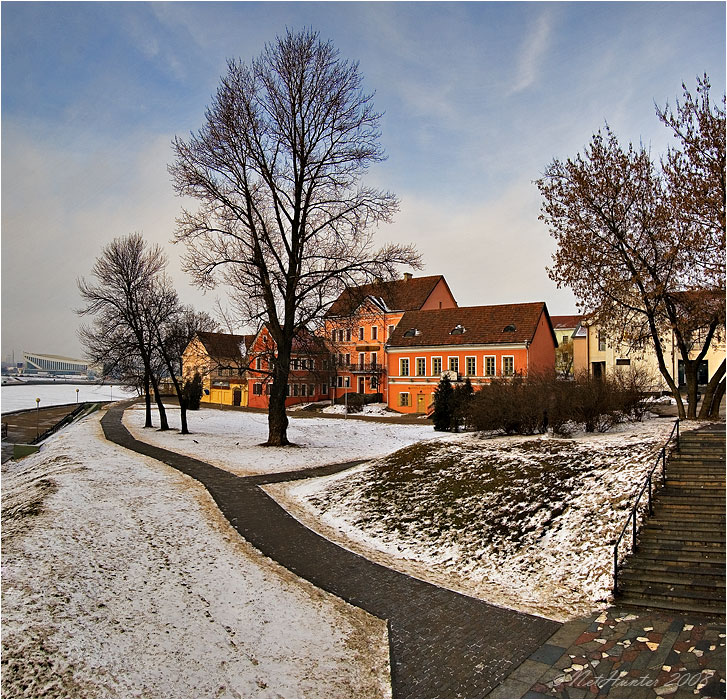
(631, 253)
(120, 299)
(283, 219)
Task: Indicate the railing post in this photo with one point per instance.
(651, 510)
(663, 466)
(633, 529)
(677, 434)
(615, 569)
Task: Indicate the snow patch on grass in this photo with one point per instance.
(525, 522)
(122, 579)
(232, 439)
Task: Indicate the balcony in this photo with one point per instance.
(363, 368)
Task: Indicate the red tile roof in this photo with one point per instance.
(566, 321)
(396, 295)
(483, 325)
(225, 346)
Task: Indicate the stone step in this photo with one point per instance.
(681, 558)
(705, 494)
(700, 543)
(706, 505)
(630, 599)
(713, 573)
(662, 534)
(679, 527)
(640, 577)
(677, 593)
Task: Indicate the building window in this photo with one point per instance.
(601, 342)
(257, 389)
(404, 367)
(374, 332)
(333, 336)
(623, 361)
(348, 359)
(471, 366)
(324, 389)
(489, 365)
(391, 331)
(311, 389)
(340, 382)
(347, 382)
(374, 359)
(361, 360)
(454, 364)
(348, 335)
(304, 390)
(340, 336)
(295, 363)
(258, 363)
(268, 389)
(436, 366)
(361, 333)
(508, 365)
(404, 398)
(421, 366)
(296, 389)
(287, 390)
(565, 339)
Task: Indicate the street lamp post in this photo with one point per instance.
(76, 396)
(37, 422)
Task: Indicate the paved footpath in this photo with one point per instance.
(442, 644)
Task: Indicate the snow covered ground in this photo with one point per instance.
(121, 579)
(17, 397)
(528, 523)
(231, 439)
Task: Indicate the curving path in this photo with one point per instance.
(442, 644)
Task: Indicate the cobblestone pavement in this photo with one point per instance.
(442, 644)
(625, 653)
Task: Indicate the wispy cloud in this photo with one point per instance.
(534, 47)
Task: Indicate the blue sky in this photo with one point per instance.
(478, 98)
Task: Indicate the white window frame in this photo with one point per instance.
(348, 335)
(258, 363)
(391, 331)
(311, 390)
(402, 373)
(304, 390)
(347, 382)
(508, 357)
(404, 403)
(257, 389)
(434, 369)
(374, 359)
(361, 360)
(494, 365)
(361, 332)
(423, 360)
(374, 332)
(466, 368)
(324, 389)
(449, 363)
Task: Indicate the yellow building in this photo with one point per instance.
(220, 359)
(593, 352)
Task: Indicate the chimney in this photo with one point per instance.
(407, 276)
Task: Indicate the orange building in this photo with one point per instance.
(362, 320)
(308, 379)
(479, 342)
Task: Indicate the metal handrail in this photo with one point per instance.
(646, 486)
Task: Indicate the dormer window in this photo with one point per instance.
(509, 329)
(412, 332)
(458, 330)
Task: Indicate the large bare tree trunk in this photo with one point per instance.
(277, 418)
(147, 401)
(717, 400)
(163, 423)
(709, 392)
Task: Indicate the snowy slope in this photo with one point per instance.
(121, 578)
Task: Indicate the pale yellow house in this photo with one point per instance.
(593, 352)
(220, 359)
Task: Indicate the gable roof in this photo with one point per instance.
(225, 346)
(397, 295)
(483, 325)
(571, 321)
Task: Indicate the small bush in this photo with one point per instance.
(355, 403)
(443, 398)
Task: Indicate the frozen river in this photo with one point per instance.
(17, 397)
